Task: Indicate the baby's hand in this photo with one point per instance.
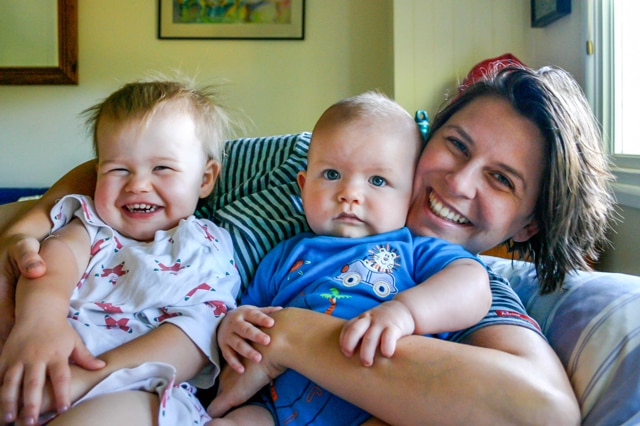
(381, 326)
(33, 353)
(238, 328)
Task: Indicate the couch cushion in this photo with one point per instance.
(593, 324)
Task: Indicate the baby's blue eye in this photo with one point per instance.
(377, 181)
(331, 174)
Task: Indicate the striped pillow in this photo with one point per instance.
(257, 197)
(593, 324)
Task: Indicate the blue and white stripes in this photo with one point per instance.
(257, 198)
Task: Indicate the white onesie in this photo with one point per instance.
(185, 276)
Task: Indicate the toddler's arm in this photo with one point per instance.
(457, 297)
(166, 343)
(41, 342)
(238, 328)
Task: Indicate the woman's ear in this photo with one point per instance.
(528, 231)
(209, 177)
(302, 177)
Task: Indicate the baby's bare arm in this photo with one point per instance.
(42, 341)
(455, 298)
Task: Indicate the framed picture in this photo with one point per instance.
(544, 12)
(227, 19)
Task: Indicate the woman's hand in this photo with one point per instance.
(235, 388)
(18, 255)
(37, 351)
(238, 328)
(381, 326)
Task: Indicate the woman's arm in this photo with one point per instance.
(35, 222)
(505, 375)
(22, 225)
(42, 341)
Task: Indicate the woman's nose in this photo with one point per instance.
(464, 181)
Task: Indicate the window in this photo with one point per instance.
(614, 88)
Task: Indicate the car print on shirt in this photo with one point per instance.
(376, 270)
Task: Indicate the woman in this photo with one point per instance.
(514, 159)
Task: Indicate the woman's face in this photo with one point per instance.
(479, 177)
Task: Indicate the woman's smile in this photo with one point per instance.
(439, 209)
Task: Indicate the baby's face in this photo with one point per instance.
(150, 174)
(359, 178)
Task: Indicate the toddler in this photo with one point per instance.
(131, 261)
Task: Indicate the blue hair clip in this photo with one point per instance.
(422, 120)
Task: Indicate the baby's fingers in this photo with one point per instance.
(351, 334)
(230, 356)
(389, 340)
(259, 317)
(10, 392)
(83, 358)
(60, 376)
(33, 383)
(237, 346)
(369, 345)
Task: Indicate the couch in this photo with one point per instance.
(593, 323)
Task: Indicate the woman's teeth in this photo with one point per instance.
(442, 211)
(145, 208)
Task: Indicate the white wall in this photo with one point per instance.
(283, 86)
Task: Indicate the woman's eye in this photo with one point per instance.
(377, 181)
(331, 174)
(458, 145)
(503, 180)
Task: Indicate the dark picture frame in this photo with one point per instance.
(544, 12)
(66, 71)
(202, 21)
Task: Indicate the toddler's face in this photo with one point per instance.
(359, 178)
(150, 174)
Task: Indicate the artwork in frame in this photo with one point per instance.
(544, 12)
(231, 19)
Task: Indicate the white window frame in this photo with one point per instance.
(600, 81)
